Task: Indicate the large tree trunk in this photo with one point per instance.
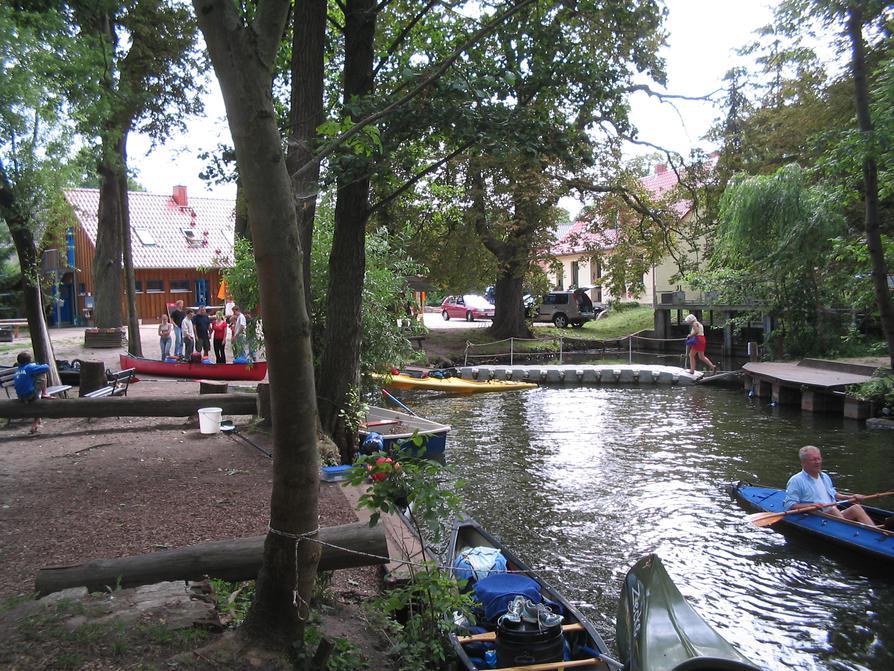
(244, 55)
(236, 559)
(305, 115)
(107, 275)
(134, 343)
(340, 365)
(870, 179)
(26, 250)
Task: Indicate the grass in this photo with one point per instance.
(614, 325)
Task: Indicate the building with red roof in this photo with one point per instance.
(178, 244)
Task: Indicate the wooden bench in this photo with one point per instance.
(118, 384)
(7, 381)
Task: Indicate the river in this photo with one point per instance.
(581, 482)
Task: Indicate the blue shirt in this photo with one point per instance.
(800, 489)
(24, 379)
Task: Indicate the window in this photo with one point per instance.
(191, 237)
(179, 286)
(145, 237)
(155, 286)
(82, 289)
(138, 285)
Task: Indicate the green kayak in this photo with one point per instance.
(657, 630)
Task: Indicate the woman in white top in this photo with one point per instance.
(697, 344)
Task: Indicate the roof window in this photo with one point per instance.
(145, 237)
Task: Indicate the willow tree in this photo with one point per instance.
(243, 49)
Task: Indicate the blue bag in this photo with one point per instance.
(496, 591)
(691, 340)
(478, 563)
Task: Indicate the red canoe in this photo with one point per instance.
(206, 371)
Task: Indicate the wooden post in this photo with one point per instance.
(752, 351)
(93, 377)
(263, 411)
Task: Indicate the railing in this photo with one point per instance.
(601, 345)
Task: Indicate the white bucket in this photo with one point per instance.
(209, 420)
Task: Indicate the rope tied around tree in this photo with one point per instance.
(296, 596)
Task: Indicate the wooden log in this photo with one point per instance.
(230, 404)
(263, 411)
(93, 377)
(213, 387)
(232, 559)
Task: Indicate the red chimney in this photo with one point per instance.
(180, 196)
(660, 169)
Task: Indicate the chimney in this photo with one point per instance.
(660, 169)
(180, 196)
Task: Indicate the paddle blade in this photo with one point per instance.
(764, 519)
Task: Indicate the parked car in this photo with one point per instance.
(566, 307)
(469, 307)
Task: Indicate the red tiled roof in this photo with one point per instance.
(159, 219)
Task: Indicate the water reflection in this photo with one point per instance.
(583, 481)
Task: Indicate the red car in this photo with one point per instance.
(469, 307)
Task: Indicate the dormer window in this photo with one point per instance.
(144, 235)
(191, 237)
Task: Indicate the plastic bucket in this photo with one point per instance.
(209, 420)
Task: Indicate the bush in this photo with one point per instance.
(879, 391)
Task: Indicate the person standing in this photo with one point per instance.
(697, 344)
(177, 319)
(201, 323)
(238, 329)
(189, 334)
(30, 382)
(219, 329)
(165, 329)
(812, 486)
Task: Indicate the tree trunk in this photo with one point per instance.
(509, 315)
(26, 250)
(134, 343)
(240, 219)
(243, 53)
(305, 115)
(870, 179)
(93, 377)
(340, 365)
(107, 279)
(230, 404)
(233, 559)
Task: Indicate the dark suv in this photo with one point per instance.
(566, 307)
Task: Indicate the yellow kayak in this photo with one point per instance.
(455, 385)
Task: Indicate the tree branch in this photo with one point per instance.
(372, 118)
(268, 26)
(644, 88)
(403, 34)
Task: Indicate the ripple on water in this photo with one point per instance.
(582, 482)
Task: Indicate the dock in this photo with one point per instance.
(571, 374)
(816, 385)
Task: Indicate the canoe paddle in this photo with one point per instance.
(393, 398)
(766, 519)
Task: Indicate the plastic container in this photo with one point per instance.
(209, 420)
(526, 643)
(334, 473)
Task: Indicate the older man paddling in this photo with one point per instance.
(812, 486)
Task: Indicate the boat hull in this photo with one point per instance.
(255, 371)
(454, 385)
(583, 641)
(396, 428)
(844, 533)
(657, 629)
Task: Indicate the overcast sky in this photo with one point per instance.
(703, 35)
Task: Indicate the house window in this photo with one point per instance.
(138, 286)
(82, 289)
(179, 286)
(145, 237)
(575, 274)
(155, 286)
(191, 237)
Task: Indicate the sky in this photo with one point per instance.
(703, 36)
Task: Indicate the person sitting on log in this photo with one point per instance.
(30, 382)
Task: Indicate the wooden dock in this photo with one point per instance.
(814, 384)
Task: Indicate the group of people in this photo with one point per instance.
(193, 331)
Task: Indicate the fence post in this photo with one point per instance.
(466, 354)
(561, 340)
(630, 349)
(511, 351)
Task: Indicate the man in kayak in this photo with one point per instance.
(812, 486)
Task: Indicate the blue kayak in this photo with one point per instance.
(878, 543)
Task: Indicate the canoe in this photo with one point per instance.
(877, 543)
(396, 428)
(455, 385)
(571, 644)
(657, 629)
(206, 371)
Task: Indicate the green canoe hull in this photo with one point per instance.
(657, 629)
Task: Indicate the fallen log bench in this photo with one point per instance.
(345, 546)
(178, 406)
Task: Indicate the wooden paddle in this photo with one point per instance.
(766, 519)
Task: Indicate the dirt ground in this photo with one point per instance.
(86, 489)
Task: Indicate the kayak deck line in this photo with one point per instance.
(492, 635)
(583, 374)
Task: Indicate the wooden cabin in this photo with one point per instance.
(179, 245)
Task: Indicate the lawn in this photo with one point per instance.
(614, 325)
